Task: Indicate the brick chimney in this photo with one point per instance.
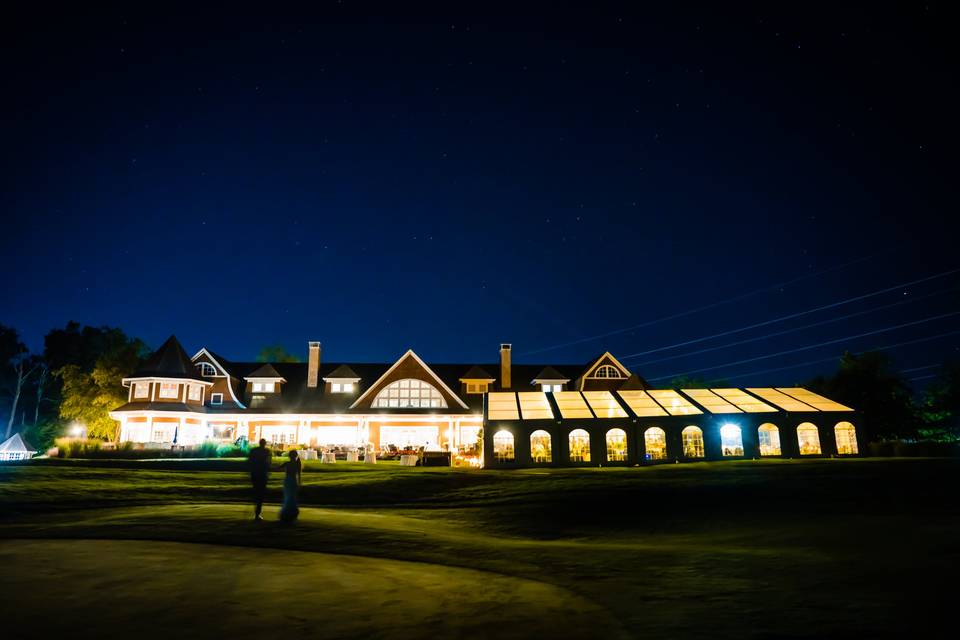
(505, 382)
(313, 364)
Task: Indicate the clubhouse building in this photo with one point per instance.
(591, 414)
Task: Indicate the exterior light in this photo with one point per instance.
(77, 430)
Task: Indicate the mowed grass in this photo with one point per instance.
(734, 549)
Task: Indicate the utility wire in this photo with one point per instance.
(793, 315)
(794, 329)
(813, 346)
(698, 309)
(809, 362)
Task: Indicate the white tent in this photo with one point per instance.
(15, 449)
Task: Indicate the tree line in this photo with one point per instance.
(77, 377)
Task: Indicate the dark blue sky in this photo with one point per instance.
(449, 179)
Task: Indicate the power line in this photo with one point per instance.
(814, 346)
(932, 375)
(793, 315)
(699, 309)
(792, 330)
(926, 366)
(809, 362)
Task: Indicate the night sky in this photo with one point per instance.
(447, 179)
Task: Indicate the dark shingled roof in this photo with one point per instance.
(343, 371)
(549, 373)
(636, 383)
(476, 373)
(169, 361)
(266, 371)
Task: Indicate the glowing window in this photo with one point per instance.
(809, 439)
(409, 394)
(616, 445)
(502, 406)
(692, 442)
(534, 406)
(263, 387)
(141, 389)
(731, 440)
(846, 438)
(194, 392)
(579, 446)
(169, 390)
(769, 437)
(476, 387)
(540, 450)
(552, 388)
(572, 405)
(503, 446)
(607, 371)
(206, 369)
(604, 405)
(655, 442)
(341, 387)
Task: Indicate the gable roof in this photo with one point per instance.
(343, 372)
(410, 354)
(169, 361)
(476, 373)
(549, 373)
(634, 383)
(15, 444)
(266, 371)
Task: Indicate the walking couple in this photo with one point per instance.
(260, 460)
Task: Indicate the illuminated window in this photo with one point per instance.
(731, 440)
(141, 389)
(655, 442)
(579, 446)
(616, 445)
(169, 390)
(503, 446)
(206, 369)
(769, 438)
(477, 387)
(552, 388)
(216, 398)
(607, 371)
(194, 392)
(809, 439)
(846, 438)
(341, 387)
(264, 387)
(692, 442)
(407, 394)
(160, 435)
(540, 449)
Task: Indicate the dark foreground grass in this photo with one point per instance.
(744, 549)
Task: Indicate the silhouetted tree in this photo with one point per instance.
(276, 353)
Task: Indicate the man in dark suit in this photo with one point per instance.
(259, 461)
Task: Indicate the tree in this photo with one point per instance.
(276, 353)
(940, 406)
(88, 395)
(18, 368)
(687, 382)
(867, 383)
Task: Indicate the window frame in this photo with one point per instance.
(216, 399)
(165, 395)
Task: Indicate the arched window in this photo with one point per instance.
(503, 446)
(540, 449)
(616, 445)
(607, 371)
(409, 394)
(769, 437)
(731, 440)
(655, 442)
(206, 369)
(692, 442)
(579, 446)
(846, 439)
(809, 439)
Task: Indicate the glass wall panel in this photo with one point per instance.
(769, 437)
(809, 439)
(541, 450)
(692, 442)
(731, 440)
(503, 446)
(616, 445)
(579, 446)
(655, 442)
(846, 438)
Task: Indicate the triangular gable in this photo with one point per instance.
(409, 354)
(207, 356)
(15, 444)
(266, 372)
(342, 372)
(548, 373)
(606, 358)
(476, 373)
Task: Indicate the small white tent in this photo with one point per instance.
(15, 449)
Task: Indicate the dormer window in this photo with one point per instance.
(477, 387)
(341, 387)
(206, 370)
(169, 390)
(264, 387)
(607, 371)
(141, 389)
(195, 392)
(216, 399)
(552, 388)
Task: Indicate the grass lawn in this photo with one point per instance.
(754, 549)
